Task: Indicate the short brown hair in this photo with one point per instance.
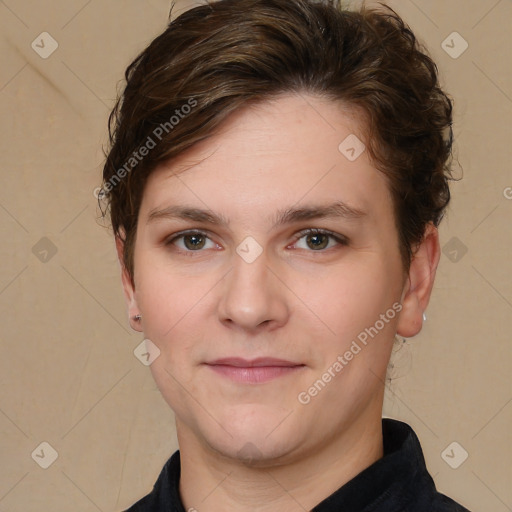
(226, 54)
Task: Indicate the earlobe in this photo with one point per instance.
(128, 289)
(419, 284)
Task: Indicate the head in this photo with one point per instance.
(273, 117)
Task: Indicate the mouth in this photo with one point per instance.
(253, 371)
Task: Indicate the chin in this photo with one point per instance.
(257, 444)
(252, 452)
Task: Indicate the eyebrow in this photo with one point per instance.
(338, 209)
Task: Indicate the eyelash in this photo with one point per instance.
(341, 240)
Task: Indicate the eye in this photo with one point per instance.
(318, 239)
(315, 239)
(192, 241)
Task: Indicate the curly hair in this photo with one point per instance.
(226, 54)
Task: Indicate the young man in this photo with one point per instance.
(276, 176)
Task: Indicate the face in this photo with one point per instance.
(268, 274)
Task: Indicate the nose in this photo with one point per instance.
(253, 297)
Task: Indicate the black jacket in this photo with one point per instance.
(398, 482)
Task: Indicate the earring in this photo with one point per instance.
(137, 318)
(424, 317)
(400, 340)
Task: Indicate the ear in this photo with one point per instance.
(128, 288)
(419, 283)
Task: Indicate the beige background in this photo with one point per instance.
(68, 374)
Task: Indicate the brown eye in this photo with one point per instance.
(317, 241)
(191, 241)
(194, 242)
(320, 239)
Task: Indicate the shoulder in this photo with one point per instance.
(164, 495)
(442, 503)
(413, 488)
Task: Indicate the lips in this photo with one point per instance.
(253, 363)
(253, 371)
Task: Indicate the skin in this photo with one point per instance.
(294, 302)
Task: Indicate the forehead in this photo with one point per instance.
(291, 150)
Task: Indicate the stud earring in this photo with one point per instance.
(137, 318)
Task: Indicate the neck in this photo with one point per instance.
(210, 481)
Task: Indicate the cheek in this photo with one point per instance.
(350, 293)
(176, 308)
(354, 304)
(164, 297)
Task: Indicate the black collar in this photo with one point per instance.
(398, 482)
